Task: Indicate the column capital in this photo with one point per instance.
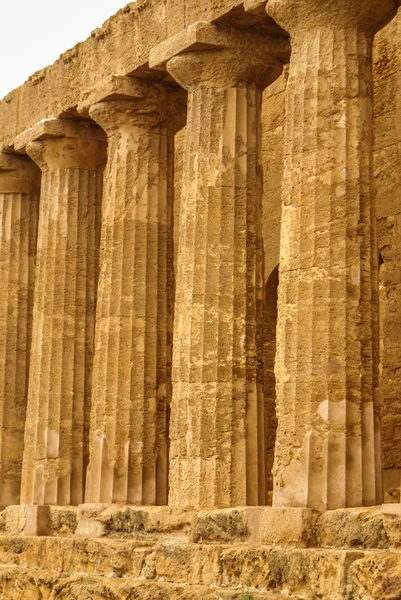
(64, 143)
(210, 56)
(121, 102)
(301, 15)
(18, 175)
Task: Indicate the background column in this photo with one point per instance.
(217, 433)
(71, 156)
(328, 450)
(19, 206)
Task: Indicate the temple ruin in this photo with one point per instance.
(200, 307)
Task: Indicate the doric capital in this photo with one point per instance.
(64, 144)
(18, 175)
(300, 15)
(211, 56)
(122, 102)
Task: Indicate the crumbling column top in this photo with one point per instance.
(115, 87)
(59, 128)
(210, 55)
(121, 101)
(298, 15)
(64, 143)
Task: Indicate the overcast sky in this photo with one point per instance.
(33, 33)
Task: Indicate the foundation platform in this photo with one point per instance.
(99, 552)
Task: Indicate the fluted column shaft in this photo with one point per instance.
(19, 206)
(328, 450)
(132, 366)
(217, 454)
(71, 157)
(217, 426)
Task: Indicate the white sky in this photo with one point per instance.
(33, 33)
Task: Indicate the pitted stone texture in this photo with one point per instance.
(121, 45)
(71, 156)
(249, 58)
(244, 525)
(19, 209)
(221, 569)
(387, 66)
(132, 364)
(19, 520)
(386, 80)
(51, 586)
(352, 528)
(218, 325)
(378, 576)
(312, 15)
(328, 450)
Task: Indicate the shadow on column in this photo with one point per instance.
(269, 380)
(390, 379)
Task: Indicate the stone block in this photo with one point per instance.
(37, 520)
(172, 563)
(110, 520)
(198, 35)
(220, 526)
(63, 520)
(281, 526)
(352, 528)
(203, 35)
(89, 524)
(377, 576)
(311, 573)
(246, 567)
(392, 510)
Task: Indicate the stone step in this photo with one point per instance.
(16, 584)
(353, 528)
(104, 569)
(305, 572)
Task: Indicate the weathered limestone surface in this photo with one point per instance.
(121, 45)
(19, 207)
(386, 78)
(217, 454)
(387, 62)
(132, 365)
(162, 552)
(71, 156)
(222, 442)
(328, 451)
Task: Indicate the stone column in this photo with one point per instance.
(19, 206)
(71, 155)
(328, 450)
(217, 454)
(132, 366)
